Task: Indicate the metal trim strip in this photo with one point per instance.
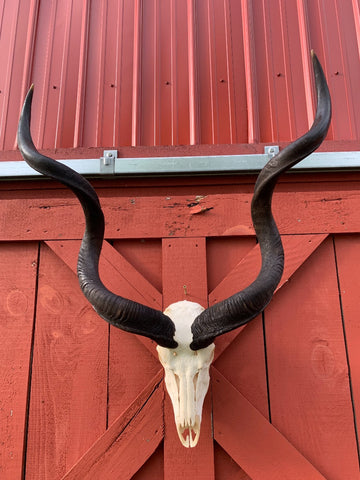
(205, 165)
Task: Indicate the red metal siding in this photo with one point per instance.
(175, 72)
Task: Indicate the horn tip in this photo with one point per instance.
(314, 57)
(30, 91)
(315, 61)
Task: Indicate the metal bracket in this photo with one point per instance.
(271, 150)
(107, 162)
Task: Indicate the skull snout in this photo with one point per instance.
(187, 380)
(188, 420)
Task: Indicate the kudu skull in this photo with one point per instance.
(185, 332)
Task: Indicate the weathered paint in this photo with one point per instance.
(97, 392)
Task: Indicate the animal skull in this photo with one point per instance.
(185, 331)
(186, 372)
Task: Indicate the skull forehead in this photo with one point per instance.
(184, 361)
(183, 315)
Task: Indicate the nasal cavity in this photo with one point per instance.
(195, 379)
(177, 379)
(189, 434)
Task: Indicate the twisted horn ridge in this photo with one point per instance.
(118, 311)
(247, 304)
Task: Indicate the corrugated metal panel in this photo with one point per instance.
(176, 72)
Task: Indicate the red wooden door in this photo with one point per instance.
(81, 399)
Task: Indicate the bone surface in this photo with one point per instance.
(186, 372)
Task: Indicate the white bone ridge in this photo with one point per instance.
(187, 375)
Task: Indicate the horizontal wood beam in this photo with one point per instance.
(54, 215)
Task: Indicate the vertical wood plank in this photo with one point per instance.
(247, 352)
(226, 467)
(297, 249)
(131, 367)
(308, 374)
(184, 270)
(252, 441)
(128, 443)
(117, 273)
(153, 468)
(69, 377)
(144, 254)
(348, 256)
(18, 264)
(127, 377)
(184, 265)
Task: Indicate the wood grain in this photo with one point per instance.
(223, 254)
(184, 270)
(297, 249)
(184, 264)
(131, 366)
(243, 363)
(69, 377)
(118, 275)
(257, 447)
(309, 390)
(132, 438)
(18, 268)
(153, 468)
(144, 255)
(308, 373)
(116, 272)
(57, 215)
(226, 467)
(348, 259)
